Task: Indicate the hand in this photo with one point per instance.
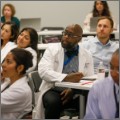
(73, 77)
(66, 95)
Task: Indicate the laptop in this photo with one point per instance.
(93, 24)
(30, 22)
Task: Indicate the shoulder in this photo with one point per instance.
(104, 84)
(31, 50)
(54, 46)
(15, 18)
(21, 85)
(84, 51)
(89, 15)
(2, 19)
(114, 44)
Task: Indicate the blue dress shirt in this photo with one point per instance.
(100, 52)
(101, 102)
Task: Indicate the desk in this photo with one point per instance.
(78, 86)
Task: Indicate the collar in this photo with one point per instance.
(73, 52)
(97, 41)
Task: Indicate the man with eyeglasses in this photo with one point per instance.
(65, 61)
(101, 46)
(103, 98)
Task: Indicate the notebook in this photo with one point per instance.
(30, 22)
(93, 77)
(93, 24)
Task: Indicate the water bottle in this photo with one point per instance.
(101, 71)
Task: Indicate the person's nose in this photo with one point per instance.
(3, 64)
(102, 27)
(2, 32)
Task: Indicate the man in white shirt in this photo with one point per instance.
(103, 98)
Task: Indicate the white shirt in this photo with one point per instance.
(16, 99)
(101, 101)
(4, 51)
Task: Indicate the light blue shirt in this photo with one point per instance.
(101, 101)
(100, 52)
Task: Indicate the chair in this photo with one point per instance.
(35, 78)
(34, 83)
(51, 38)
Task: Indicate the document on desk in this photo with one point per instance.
(93, 77)
(83, 84)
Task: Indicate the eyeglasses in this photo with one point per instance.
(70, 35)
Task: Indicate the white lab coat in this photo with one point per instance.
(16, 99)
(11, 45)
(50, 69)
(4, 83)
(4, 51)
(34, 60)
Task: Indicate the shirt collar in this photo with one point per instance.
(97, 41)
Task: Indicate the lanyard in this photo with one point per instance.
(117, 104)
(68, 60)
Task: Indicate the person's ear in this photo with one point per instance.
(112, 30)
(20, 68)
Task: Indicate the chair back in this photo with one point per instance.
(35, 80)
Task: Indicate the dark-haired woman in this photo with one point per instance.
(100, 8)
(28, 40)
(9, 33)
(17, 97)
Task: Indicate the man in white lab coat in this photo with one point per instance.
(65, 61)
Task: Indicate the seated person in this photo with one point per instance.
(101, 46)
(100, 8)
(8, 12)
(66, 61)
(28, 40)
(9, 33)
(103, 98)
(17, 97)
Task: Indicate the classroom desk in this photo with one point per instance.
(80, 87)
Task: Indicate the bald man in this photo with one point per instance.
(103, 98)
(65, 61)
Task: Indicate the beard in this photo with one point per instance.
(68, 46)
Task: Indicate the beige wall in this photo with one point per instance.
(59, 13)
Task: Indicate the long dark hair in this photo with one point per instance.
(22, 57)
(33, 37)
(106, 11)
(14, 31)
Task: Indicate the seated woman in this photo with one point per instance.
(28, 40)
(100, 8)
(17, 97)
(8, 12)
(9, 33)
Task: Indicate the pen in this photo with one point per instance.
(86, 83)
